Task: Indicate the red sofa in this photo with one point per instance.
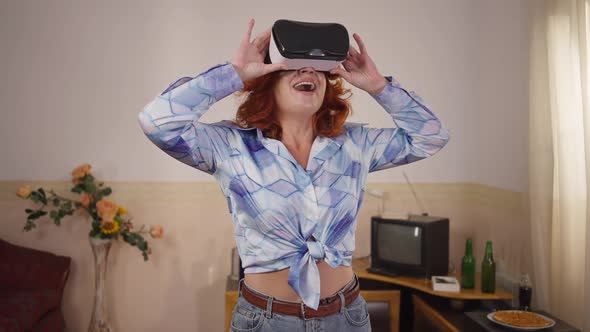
(31, 289)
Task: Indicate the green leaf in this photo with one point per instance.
(143, 245)
(53, 214)
(107, 191)
(57, 221)
(35, 197)
(90, 187)
(56, 202)
(77, 189)
(29, 211)
(88, 183)
(42, 196)
(29, 226)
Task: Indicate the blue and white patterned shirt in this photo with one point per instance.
(285, 216)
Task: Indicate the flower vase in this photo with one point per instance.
(100, 321)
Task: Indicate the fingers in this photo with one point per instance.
(340, 72)
(261, 41)
(274, 67)
(360, 43)
(353, 52)
(349, 66)
(248, 34)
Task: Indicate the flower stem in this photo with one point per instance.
(55, 195)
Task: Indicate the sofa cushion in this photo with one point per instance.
(52, 321)
(26, 268)
(10, 325)
(26, 307)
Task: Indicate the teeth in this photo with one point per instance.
(305, 86)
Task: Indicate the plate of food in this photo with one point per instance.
(521, 320)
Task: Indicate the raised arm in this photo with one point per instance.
(171, 120)
(419, 133)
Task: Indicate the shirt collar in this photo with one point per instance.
(324, 147)
(338, 140)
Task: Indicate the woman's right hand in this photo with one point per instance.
(249, 59)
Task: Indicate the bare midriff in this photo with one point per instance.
(276, 283)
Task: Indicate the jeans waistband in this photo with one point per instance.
(327, 306)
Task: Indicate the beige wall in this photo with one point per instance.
(76, 73)
(183, 284)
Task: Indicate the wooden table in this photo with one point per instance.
(361, 265)
(432, 310)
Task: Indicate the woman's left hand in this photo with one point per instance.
(360, 70)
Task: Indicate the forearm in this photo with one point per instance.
(171, 120)
(185, 101)
(410, 114)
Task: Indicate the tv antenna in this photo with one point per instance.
(418, 201)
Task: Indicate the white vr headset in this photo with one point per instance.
(323, 46)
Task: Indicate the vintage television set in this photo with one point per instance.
(417, 246)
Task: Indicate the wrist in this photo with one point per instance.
(378, 87)
(239, 70)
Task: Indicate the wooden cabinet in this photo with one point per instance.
(429, 319)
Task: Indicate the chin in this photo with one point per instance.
(308, 109)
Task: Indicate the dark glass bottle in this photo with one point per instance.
(468, 267)
(525, 293)
(488, 271)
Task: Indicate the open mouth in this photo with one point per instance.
(305, 86)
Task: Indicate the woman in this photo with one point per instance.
(293, 173)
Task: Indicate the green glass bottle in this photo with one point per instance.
(488, 271)
(468, 267)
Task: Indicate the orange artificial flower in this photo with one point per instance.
(107, 209)
(24, 192)
(85, 200)
(157, 231)
(81, 171)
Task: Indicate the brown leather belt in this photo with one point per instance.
(327, 306)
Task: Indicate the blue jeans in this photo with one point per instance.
(249, 318)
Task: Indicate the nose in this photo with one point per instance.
(304, 70)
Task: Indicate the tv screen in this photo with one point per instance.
(400, 243)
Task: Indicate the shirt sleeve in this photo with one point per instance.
(171, 119)
(419, 133)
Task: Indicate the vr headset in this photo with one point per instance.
(323, 46)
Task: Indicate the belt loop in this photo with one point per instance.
(342, 301)
(240, 287)
(302, 310)
(268, 313)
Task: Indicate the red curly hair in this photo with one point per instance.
(258, 108)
